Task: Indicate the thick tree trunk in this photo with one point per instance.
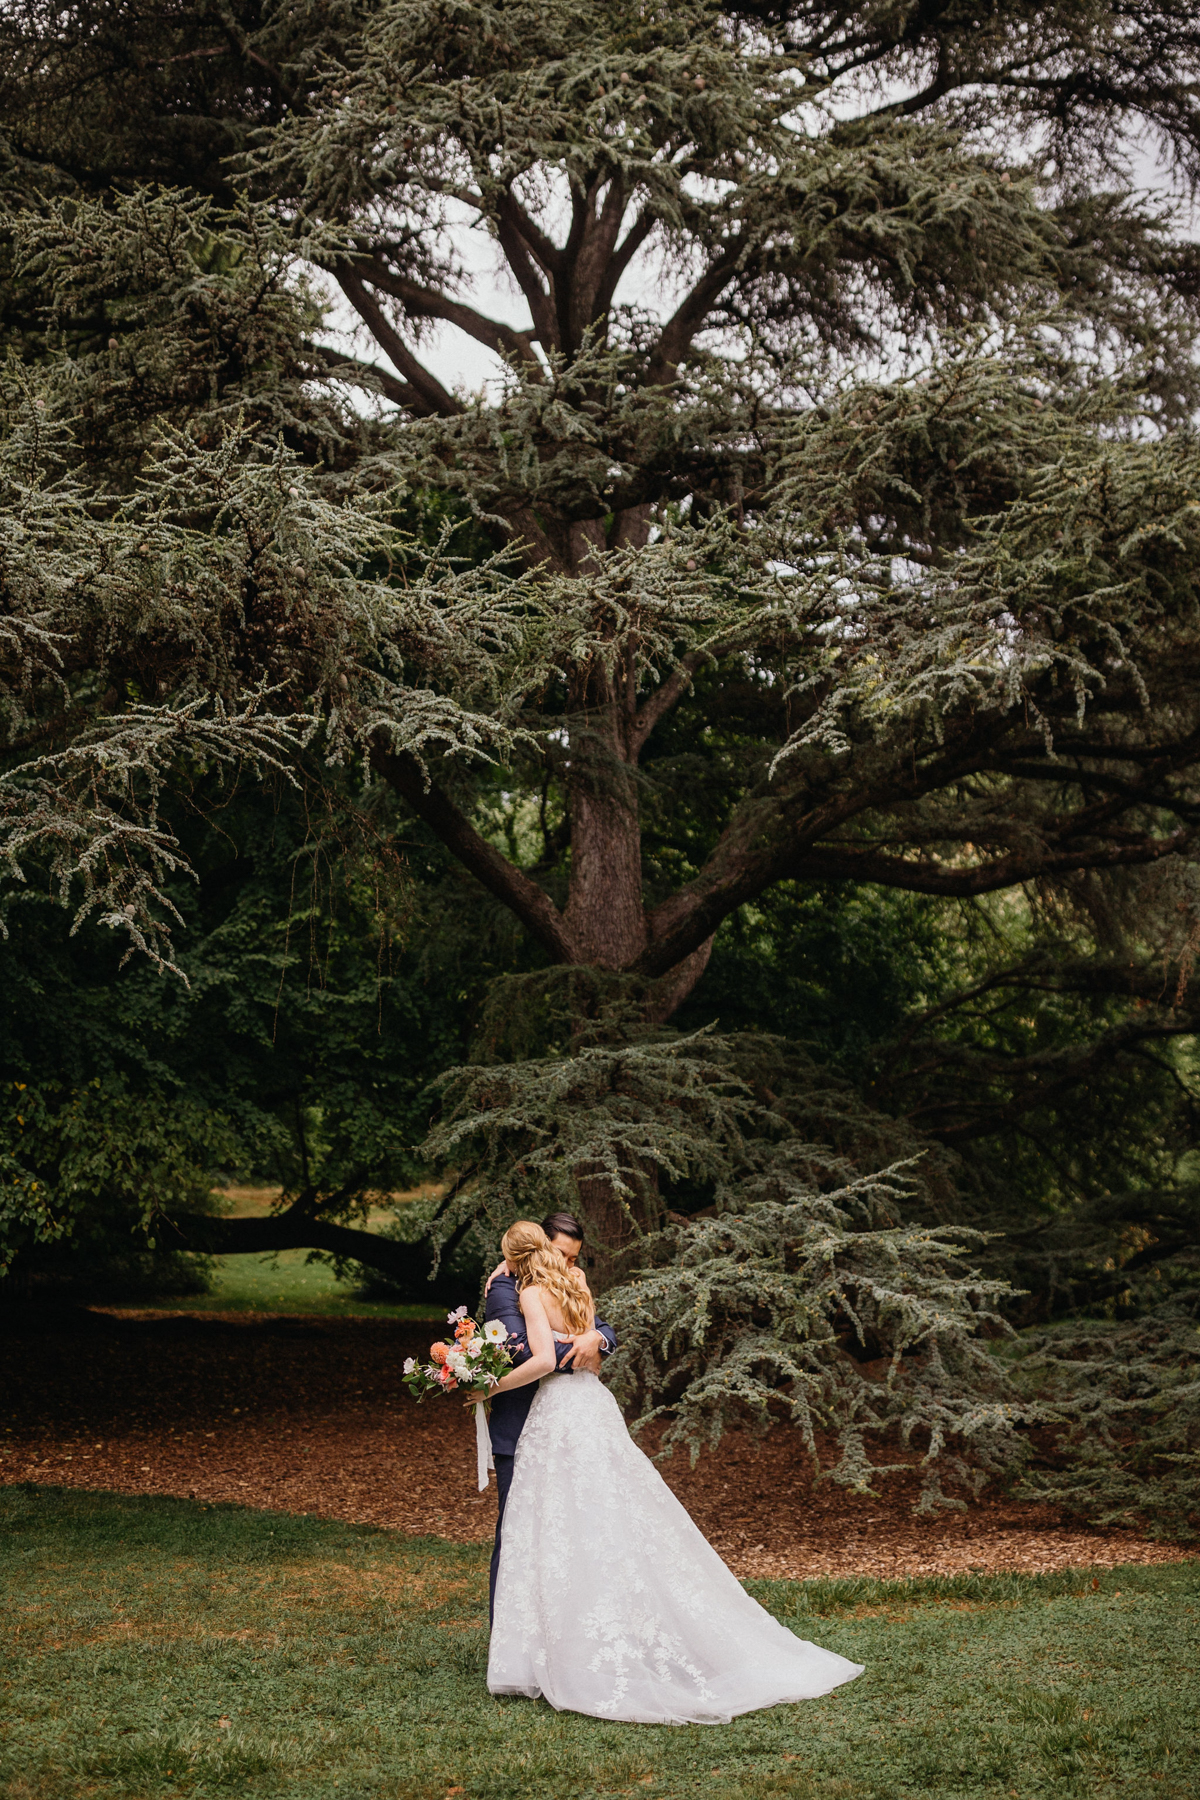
(604, 915)
(611, 1234)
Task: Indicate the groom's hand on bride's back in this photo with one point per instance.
(583, 1351)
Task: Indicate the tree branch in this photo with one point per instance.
(524, 266)
(241, 43)
(544, 250)
(431, 397)
(592, 256)
(1129, 981)
(620, 260)
(757, 850)
(295, 1229)
(667, 694)
(535, 909)
(365, 375)
(687, 319)
(960, 1115)
(422, 302)
(1124, 792)
(835, 863)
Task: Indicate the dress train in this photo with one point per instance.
(610, 1601)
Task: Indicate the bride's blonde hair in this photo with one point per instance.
(536, 1263)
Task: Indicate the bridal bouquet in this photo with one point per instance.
(475, 1361)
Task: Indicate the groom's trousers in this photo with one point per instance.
(504, 1475)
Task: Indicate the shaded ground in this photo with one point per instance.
(307, 1415)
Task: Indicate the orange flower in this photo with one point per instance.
(439, 1352)
(466, 1328)
(447, 1380)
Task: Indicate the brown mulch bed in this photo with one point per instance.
(307, 1415)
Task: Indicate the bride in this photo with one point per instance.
(609, 1600)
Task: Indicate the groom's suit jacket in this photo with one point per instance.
(510, 1411)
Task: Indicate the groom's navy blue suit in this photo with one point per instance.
(510, 1411)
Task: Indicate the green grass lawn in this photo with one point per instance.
(157, 1647)
(286, 1282)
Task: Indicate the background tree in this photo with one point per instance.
(803, 242)
(864, 555)
(185, 521)
(319, 1002)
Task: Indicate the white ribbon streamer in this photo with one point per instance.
(483, 1445)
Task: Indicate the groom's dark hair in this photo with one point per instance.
(563, 1225)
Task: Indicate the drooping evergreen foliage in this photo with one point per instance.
(826, 539)
(319, 1002)
(800, 1290)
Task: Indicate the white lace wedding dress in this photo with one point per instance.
(609, 1599)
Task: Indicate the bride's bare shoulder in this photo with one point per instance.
(541, 1305)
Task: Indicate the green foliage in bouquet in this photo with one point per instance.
(474, 1361)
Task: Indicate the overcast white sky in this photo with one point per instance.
(465, 366)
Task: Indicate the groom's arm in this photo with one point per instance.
(502, 1303)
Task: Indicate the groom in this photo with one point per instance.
(510, 1411)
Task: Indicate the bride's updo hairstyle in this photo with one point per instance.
(536, 1263)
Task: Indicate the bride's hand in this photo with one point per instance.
(501, 1268)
